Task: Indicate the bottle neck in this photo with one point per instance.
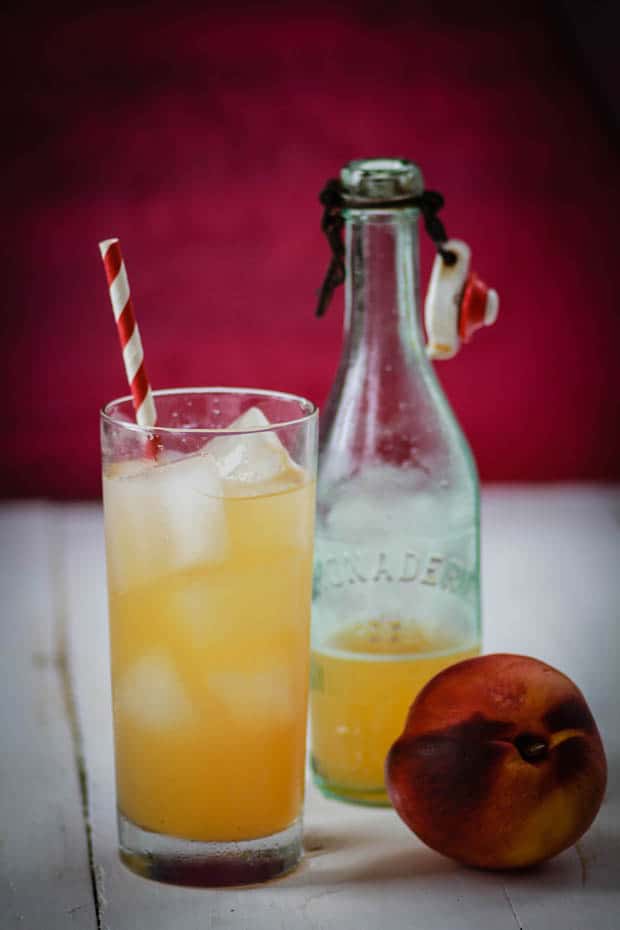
(378, 399)
(382, 289)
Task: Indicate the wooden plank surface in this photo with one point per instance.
(550, 581)
(44, 870)
(550, 565)
(551, 573)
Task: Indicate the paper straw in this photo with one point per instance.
(128, 332)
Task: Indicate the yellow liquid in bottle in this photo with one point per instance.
(363, 681)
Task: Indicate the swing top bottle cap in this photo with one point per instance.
(378, 179)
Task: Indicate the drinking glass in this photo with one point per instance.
(209, 521)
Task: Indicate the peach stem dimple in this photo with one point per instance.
(532, 748)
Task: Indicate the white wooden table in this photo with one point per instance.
(551, 575)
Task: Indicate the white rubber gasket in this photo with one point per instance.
(441, 307)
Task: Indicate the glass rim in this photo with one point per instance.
(107, 417)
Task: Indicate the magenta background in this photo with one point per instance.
(201, 139)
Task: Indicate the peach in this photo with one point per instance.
(500, 764)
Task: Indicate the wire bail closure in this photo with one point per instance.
(334, 201)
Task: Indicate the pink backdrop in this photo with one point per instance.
(202, 139)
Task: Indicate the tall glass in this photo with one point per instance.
(209, 523)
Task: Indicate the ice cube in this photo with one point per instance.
(191, 499)
(250, 461)
(164, 519)
(255, 698)
(201, 608)
(128, 468)
(151, 694)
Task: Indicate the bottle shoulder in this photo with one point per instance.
(405, 423)
(393, 459)
(379, 499)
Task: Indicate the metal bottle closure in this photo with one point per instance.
(457, 301)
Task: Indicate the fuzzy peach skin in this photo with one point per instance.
(500, 764)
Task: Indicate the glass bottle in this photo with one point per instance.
(396, 590)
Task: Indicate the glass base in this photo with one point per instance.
(371, 797)
(189, 862)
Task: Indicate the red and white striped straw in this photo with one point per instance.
(128, 332)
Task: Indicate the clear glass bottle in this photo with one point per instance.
(396, 591)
